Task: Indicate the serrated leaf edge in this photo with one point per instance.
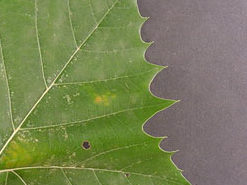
(176, 101)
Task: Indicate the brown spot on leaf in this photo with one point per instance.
(127, 174)
(86, 145)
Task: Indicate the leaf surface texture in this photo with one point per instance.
(75, 94)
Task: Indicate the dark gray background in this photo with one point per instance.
(204, 43)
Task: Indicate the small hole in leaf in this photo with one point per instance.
(127, 174)
(86, 145)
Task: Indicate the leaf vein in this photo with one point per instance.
(6, 178)
(112, 150)
(22, 180)
(104, 80)
(38, 42)
(92, 169)
(8, 88)
(128, 180)
(92, 12)
(86, 120)
(135, 163)
(66, 177)
(71, 24)
(151, 180)
(53, 82)
(96, 177)
(116, 50)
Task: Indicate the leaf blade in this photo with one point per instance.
(104, 108)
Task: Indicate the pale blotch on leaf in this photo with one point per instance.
(49, 80)
(17, 119)
(65, 135)
(68, 99)
(76, 94)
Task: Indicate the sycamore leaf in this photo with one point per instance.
(74, 93)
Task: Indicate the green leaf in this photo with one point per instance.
(75, 94)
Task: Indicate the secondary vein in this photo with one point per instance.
(70, 21)
(38, 42)
(92, 12)
(7, 83)
(6, 179)
(93, 169)
(90, 119)
(96, 177)
(19, 177)
(64, 174)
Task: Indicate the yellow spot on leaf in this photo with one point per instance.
(104, 99)
(98, 99)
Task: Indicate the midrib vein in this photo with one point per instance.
(53, 82)
(7, 83)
